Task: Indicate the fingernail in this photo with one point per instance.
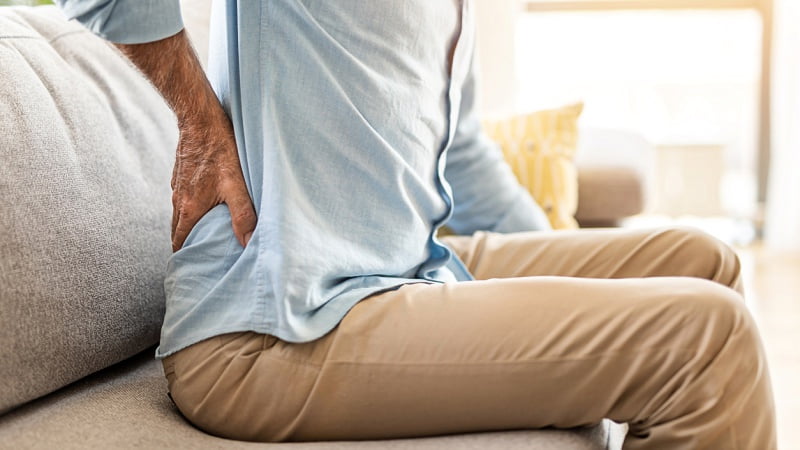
(247, 238)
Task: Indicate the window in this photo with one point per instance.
(681, 72)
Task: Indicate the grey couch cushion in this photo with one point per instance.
(126, 406)
(86, 148)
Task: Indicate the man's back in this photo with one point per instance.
(341, 112)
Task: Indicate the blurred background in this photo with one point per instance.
(711, 87)
(701, 98)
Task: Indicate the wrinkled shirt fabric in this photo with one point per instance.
(358, 136)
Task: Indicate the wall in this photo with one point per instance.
(783, 200)
(496, 23)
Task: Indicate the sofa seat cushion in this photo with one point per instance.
(126, 406)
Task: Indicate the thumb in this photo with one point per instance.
(243, 215)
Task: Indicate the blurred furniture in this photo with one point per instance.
(766, 10)
(615, 176)
(540, 149)
(595, 176)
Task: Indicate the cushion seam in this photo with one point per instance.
(66, 33)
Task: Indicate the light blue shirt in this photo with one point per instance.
(358, 140)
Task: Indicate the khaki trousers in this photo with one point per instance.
(562, 329)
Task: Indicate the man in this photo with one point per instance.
(309, 299)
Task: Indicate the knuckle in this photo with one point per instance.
(229, 182)
(243, 215)
(189, 206)
(183, 213)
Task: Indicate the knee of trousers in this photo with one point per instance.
(716, 317)
(729, 364)
(713, 259)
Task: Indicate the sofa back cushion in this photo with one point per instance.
(86, 151)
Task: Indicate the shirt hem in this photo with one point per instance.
(284, 333)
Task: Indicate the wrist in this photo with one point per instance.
(172, 66)
(203, 111)
(207, 128)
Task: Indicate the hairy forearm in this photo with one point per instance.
(207, 169)
(172, 66)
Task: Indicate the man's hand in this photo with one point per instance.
(207, 170)
(207, 173)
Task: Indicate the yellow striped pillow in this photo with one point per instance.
(540, 147)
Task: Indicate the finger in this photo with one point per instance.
(187, 219)
(174, 227)
(176, 168)
(173, 181)
(175, 200)
(175, 208)
(243, 215)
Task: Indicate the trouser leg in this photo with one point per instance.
(679, 359)
(608, 253)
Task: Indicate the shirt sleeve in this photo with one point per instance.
(126, 21)
(486, 194)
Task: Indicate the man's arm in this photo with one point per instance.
(207, 170)
(486, 194)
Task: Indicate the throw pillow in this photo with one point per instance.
(540, 147)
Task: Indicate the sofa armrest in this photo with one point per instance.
(615, 175)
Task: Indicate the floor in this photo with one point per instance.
(772, 284)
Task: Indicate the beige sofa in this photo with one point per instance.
(615, 170)
(86, 149)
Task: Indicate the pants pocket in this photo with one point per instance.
(268, 341)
